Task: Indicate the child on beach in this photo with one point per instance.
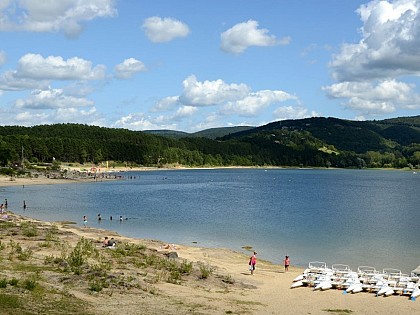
(85, 221)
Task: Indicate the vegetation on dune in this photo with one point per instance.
(311, 142)
(47, 279)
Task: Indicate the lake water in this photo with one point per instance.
(354, 217)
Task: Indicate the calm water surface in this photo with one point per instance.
(337, 216)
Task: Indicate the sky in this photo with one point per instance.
(190, 65)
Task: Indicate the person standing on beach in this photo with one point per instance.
(286, 263)
(252, 262)
(85, 221)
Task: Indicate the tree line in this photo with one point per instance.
(294, 147)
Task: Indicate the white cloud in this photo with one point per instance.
(209, 93)
(389, 46)
(369, 98)
(160, 30)
(243, 35)
(60, 115)
(67, 16)
(290, 112)
(254, 103)
(34, 66)
(367, 71)
(165, 104)
(10, 81)
(2, 57)
(51, 99)
(185, 111)
(29, 118)
(138, 121)
(128, 68)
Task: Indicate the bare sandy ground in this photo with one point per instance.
(266, 292)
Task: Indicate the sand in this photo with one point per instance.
(229, 290)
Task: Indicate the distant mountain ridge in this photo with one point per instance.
(211, 133)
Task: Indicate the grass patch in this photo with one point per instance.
(8, 301)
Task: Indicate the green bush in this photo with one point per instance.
(29, 229)
(13, 282)
(29, 284)
(3, 283)
(205, 271)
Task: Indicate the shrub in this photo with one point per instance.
(205, 271)
(29, 284)
(81, 252)
(29, 229)
(3, 283)
(13, 282)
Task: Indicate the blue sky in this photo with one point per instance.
(190, 65)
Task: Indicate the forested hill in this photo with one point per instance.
(314, 142)
(357, 136)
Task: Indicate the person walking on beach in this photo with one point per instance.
(252, 262)
(286, 263)
(85, 221)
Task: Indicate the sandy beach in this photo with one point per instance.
(228, 287)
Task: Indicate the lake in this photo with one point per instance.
(354, 217)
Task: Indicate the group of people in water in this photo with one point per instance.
(253, 261)
(100, 219)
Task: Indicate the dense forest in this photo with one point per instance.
(311, 142)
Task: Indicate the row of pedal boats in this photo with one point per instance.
(387, 282)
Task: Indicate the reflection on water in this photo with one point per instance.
(338, 216)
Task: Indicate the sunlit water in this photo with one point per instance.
(337, 216)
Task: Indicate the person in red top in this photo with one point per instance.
(286, 263)
(252, 262)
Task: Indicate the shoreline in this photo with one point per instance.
(267, 292)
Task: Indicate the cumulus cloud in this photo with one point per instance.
(67, 16)
(51, 99)
(35, 66)
(128, 68)
(209, 93)
(389, 46)
(185, 111)
(368, 98)
(165, 104)
(160, 30)
(290, 112)
(228, 99)
(139, 121)
(243, 35)
(11, 81)
(254, 103)
(367, 72)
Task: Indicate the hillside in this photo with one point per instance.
(357, 136)
(310, 142)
